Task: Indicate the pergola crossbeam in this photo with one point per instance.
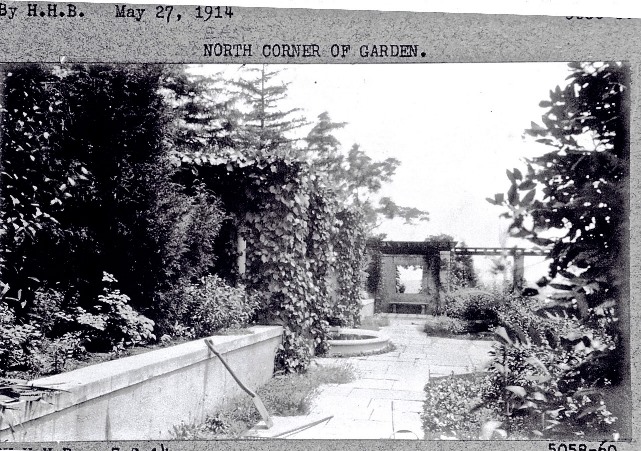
(490, 251)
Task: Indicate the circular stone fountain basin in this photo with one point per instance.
(350, 342)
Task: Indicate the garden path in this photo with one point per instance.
(387, 395)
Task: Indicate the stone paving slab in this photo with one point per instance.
(339, 389)
(356, 429)
(381, 404)
(381, 414)
(326, 402)
(415, 385)
(408, 406)
(388, 394)
(386, 384)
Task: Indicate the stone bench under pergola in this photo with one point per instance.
(432, 257)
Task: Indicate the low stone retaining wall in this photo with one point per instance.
(142, 397)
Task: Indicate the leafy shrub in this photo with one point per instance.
(54, 330)
(451, 408)
(474, 305)
(541, 391)
(444, 326)
(525, 321)
(214, 305)
(110, 322)
(216, 424)
(18, 343)
(548, 379)
(115, 321)
(488, 309)
(172, 311)
(27, 347)
(44, 308)
(56, 353)
(186, 431)
(547, 373)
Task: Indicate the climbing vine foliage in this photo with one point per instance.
(302, 205)
(304, 249)
(350, 247)
(298, 245)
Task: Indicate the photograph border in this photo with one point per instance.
(99, 36)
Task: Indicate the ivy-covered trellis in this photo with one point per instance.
(299, 237)
(303, 212)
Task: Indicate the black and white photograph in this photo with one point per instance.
(265, 251)
(272, 224)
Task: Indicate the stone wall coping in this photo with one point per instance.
(93, 381)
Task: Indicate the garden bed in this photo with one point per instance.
(447, 327)
(94, 358)
(285, 395)
(451, 409)
(144, 396)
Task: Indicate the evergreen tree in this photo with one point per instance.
(265, 128)
(324, 149)
(203, 115)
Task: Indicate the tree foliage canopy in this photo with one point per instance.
(87, 181)
(572, 199)
(356, 176)
(572, 202)
(265, 125)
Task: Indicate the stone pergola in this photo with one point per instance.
(434, 258)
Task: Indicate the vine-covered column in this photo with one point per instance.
(350, 250)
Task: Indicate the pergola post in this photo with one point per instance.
(445, 266)
(518, 271)
(241, 260)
